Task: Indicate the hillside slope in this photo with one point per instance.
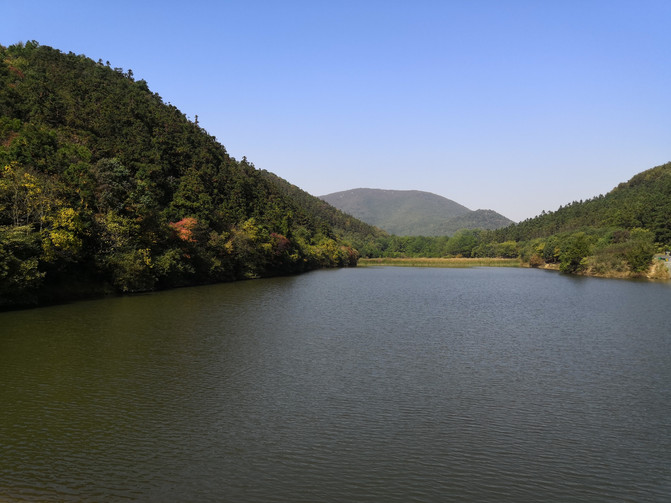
(106, 188)
(612, 235)
(642, 202)
(412, 212)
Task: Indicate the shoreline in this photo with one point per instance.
(656, 272)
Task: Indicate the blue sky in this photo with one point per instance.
(515, 106)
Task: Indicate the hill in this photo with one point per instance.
(106, 188)
(615, 234)
(642, 202)
(413, 212)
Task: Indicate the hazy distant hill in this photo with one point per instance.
(413, 212)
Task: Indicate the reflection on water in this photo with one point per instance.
(378, 384)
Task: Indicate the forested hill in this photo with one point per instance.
(413, 212)
(642, 202)
(104, 187)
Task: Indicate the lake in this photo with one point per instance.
(372, 384)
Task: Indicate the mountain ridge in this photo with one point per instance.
(412, 212)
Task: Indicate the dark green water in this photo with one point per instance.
(377, 384)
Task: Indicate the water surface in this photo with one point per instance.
(375, 384)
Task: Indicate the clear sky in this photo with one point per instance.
(516, 106)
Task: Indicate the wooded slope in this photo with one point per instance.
(642, 202)
(104, 187)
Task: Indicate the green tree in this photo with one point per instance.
(574, 252)
(640, 249)
(20, 275)
(463, 243)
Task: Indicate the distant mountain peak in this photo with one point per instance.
(412, 212)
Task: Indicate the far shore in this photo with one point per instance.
(441, 262)
(658, 270)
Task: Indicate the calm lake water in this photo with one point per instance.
(373, 384)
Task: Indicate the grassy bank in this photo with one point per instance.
(441, 262)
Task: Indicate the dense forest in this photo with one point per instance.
(106, 188)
